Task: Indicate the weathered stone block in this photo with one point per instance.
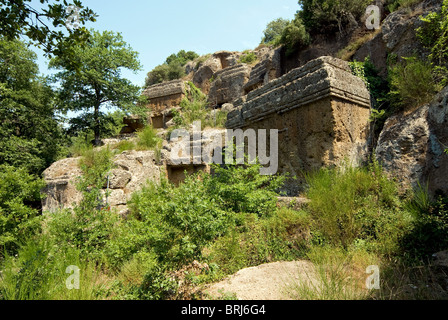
(229, 84)
(321, 111)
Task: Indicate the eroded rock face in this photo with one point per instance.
(61, 189)
(163, 98)
(397, 36)
(411, 146)
(229, 84)
(268, 69)
(132, 169)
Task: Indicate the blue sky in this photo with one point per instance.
(157, 29)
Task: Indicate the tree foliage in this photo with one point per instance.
(98, 82)
(329, 15)
(40, 26)
(274, 30)
(19, 194)
(30, 135)
(171, 69)
(294, 36)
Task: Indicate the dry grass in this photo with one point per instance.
(348, 52)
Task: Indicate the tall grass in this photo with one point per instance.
(337, 275)
(354, 203)
(413, 83)
(38, 272)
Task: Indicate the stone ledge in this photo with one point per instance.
(165, 89)
(318, 79)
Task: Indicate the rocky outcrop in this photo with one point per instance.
(265, 71)
(132, 169)
(203, 73)
(60, 191)
(321, 111)
(397, 36)
(229, 84)
(411, 146)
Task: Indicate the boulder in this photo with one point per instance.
(60, 191)
(411, 146)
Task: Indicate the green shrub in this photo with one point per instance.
(38, 272)
(355, 204)
(320, 16)
(243, 189)
(125, 145)
(412, 83)
(434, 36)
(180, 220)
(430, 227)
(294, 36)
(81, 144)
(164, 72)
(19, 202)
(147, 139)
(172, 69)
(182, 57)
(379, 91)
(274, 30)
(90, 224)
(249, 58)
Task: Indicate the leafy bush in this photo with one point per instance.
(274, 31)
(91, 223)
(180, 221)
(320, 16)
(182, 57)
(412, 83)
(164, 72)
(249, 58)
(357, 204)
(147, 139)
(294, 36)
(19, 202)
(243, 189)
(172, 69)
(430, 227)
(379, 92)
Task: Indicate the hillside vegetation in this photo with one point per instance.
(178, 239)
